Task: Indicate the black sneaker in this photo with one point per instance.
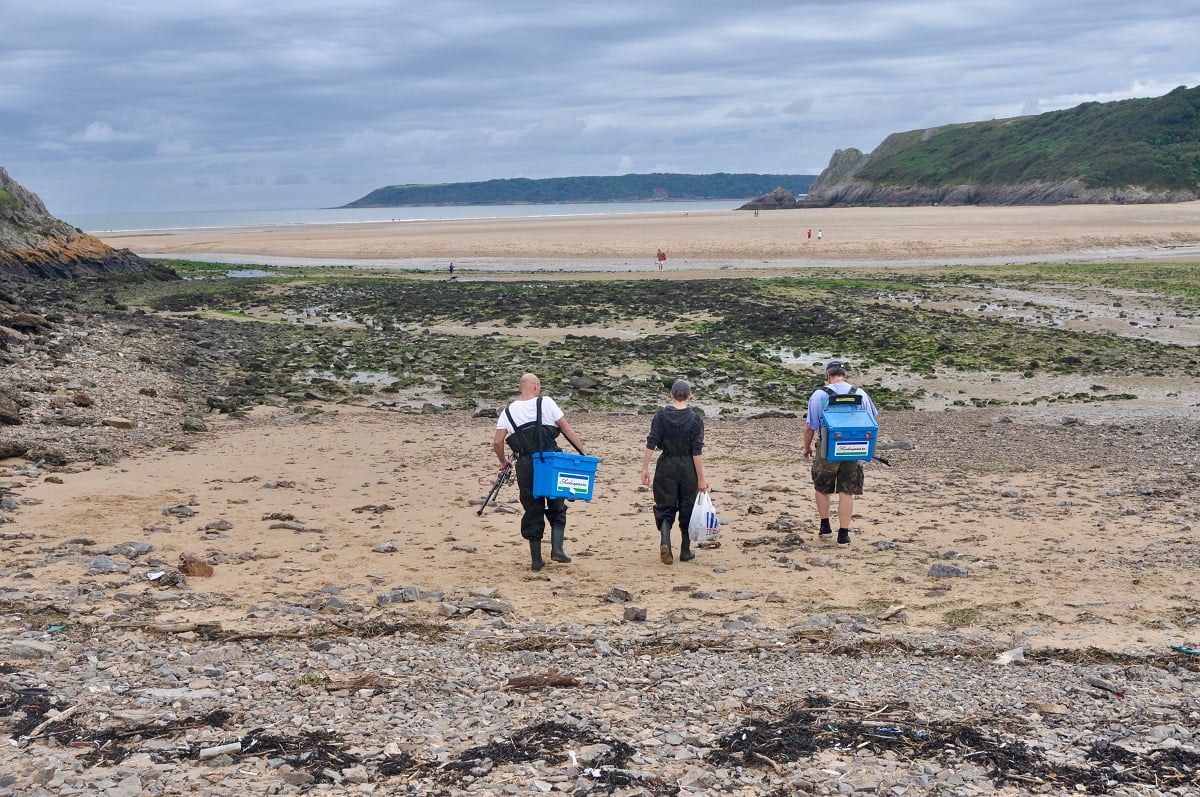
(825, 533)
(843, 538)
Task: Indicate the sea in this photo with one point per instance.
(98, 223)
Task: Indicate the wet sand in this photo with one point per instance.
(708, 240)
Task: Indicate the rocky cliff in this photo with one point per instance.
(838, 185)
(35, 246)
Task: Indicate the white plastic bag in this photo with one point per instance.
(704, 524)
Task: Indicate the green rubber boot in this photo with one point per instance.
(556, 544)
(664, 546)
(535, 553)
(686, 554)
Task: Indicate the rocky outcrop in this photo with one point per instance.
(839, 186)
(35, 245)
(776, 200)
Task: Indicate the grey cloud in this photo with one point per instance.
(246, 104)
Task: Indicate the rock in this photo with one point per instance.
(634, 614)
(943, 570)
(130, 550)
(106, 564)
(117, 422)
(405, 595)
(193, 424)
(1016, 655)
(491, 605)
(619, 595)
(584, 383)
(32, 649)
(10, 412)
(386, 547)
(191, 566)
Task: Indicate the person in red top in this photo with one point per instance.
(662, 258)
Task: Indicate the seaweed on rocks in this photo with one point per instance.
(320, 753)
(820, 724)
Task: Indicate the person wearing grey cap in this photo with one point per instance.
(679, 473)
(843, 478)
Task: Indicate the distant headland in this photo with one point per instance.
(554, 190)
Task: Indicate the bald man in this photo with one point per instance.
(531, 424)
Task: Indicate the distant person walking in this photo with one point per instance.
(679, 474)
(810, 235)
(818, 235)
(661, 257)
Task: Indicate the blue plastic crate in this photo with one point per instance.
(849, 431)
(559, 475)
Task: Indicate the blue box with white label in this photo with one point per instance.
(559, 475)
(849, 430)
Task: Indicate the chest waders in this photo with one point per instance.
(527, 440)
(674, 493)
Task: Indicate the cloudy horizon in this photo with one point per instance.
(148, 106)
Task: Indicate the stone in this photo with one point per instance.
(32, 649)
(619, 594)
(944, 570)
(491, 605)
(130, 550)
(10, 411)
(117, 422)
(106, 564)
(191, 566)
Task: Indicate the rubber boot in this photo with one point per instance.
(686, 554)
(535, 554)
(556, 544)
(664, 548)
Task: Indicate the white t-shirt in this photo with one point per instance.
(524, 412)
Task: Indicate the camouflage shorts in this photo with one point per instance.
(837, 477)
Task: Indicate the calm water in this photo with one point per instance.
(124, 222)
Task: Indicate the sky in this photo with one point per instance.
(111, 106)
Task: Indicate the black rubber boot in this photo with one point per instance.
(556, 544)
(664, 547)
(686, 554)
(535, 554)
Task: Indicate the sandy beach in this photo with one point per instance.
(302, 593)
(1049, 562)
(1074, 552)
(708, 240)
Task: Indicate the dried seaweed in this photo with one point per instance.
(315, 752)
(820, 725)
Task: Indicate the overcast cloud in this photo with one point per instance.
(136, 105)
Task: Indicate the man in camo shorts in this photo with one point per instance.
(843, 478)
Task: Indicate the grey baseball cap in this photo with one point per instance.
(681, 389)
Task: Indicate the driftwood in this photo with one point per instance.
(548, 678)
(59, 717)
(170, 628)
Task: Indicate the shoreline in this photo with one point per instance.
(710, 240)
